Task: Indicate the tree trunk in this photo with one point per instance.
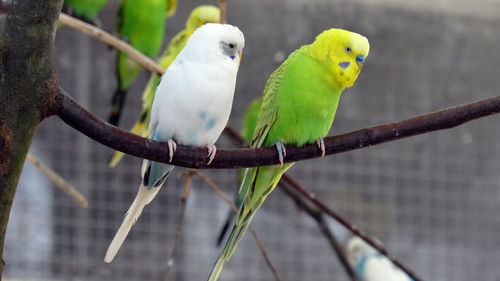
(28, 84)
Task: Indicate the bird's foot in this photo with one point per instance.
(211, 152)
(321, 145)
(281, 151)
(172, 147)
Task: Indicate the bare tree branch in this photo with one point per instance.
(180, 223)
(350, 226)
(192, 157)
(222, 7)
(111, 40)
(58, 180)
(317, 214)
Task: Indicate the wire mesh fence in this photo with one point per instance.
(433, 200)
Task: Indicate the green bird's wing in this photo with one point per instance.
(250, 119)
(269, 109)
(142, 24)
(86, 8)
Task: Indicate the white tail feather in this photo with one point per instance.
(144, 196)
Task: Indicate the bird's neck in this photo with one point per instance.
(332, 73)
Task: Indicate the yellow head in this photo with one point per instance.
(201, 15)
(343, 53)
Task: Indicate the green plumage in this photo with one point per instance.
(250, 119)
(142, 24)
(86, 8)
(298, 107)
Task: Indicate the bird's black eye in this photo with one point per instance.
(231, 45)
(348, 50)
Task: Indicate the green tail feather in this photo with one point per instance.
(256, 186)
(230, 246)
(214, 275)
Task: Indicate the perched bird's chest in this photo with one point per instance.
(197, 111)
(307, 105)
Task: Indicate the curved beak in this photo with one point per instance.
(240, 51)
(360, 59)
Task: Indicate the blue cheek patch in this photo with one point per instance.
(344, 64)
(233, 57)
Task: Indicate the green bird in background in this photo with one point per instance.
(142, 24)
(298, 107)
(249, 122)
(198, 17)
(87, 9)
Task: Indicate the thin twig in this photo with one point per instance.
(223, 8)
(350, 226)
(180, 223)
(334, 243)
(58, 180)
(195, 157)
(233, 207)
(317, 214)
(111, 40)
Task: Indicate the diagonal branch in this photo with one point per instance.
(180, 223)
(192, 157)
(111, 40)
(325, 209)
(317, 214)
(58, 180)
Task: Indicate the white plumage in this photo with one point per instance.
(191, 107)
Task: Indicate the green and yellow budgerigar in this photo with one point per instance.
(298, 107)
(249, 122)
(87, 9)
(142, 24)
(198, 17)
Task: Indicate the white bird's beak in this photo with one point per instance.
(239, 53)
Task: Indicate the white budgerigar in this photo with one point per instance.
(191, 107)
(370, 265)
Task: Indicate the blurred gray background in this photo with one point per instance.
(433, 200)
